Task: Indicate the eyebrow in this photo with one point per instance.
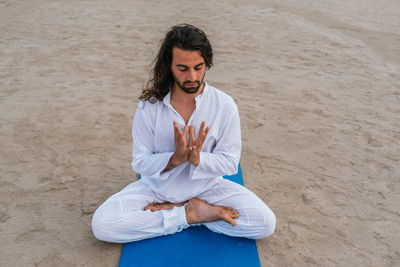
(184, 66)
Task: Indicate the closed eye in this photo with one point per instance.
(199, 66)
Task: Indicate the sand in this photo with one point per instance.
(317, 84)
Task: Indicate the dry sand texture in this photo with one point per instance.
(318, 88)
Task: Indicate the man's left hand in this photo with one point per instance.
(196, 144)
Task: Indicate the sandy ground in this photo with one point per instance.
(317, 84)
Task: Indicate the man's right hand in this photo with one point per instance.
(181, 148)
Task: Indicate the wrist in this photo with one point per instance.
(195, 162)
(176, 160)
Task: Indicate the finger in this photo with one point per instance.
(207, 129)
(185, 131)
(231, 221)
(234, 213)
(149, 206)
(179, 134)
(201, 128)
(204, 135)
(175, 129)
(191, 132)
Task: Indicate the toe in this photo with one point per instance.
(151, 206)
(235, 214)
(231, 221)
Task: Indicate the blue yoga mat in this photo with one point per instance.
(195, 246)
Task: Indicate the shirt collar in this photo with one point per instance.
(167, 99)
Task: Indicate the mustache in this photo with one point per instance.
(186, 82)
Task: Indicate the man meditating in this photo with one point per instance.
(186, 136)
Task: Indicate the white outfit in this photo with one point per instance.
(122, 218)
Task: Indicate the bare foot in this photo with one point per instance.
(163, 206)
(199, 211)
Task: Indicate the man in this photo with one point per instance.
(180, 159)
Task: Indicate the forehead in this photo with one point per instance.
(186, 57)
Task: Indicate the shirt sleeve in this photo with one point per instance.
(144, 159)
(224, 158)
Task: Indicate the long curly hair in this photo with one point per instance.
(183, 36)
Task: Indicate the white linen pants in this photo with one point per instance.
(121, 218)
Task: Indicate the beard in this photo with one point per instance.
(189, 90)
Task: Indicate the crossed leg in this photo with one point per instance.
(255, 221)
(225, 208)
(121, 218)
(250, 217)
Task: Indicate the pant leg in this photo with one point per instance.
(121, 218)
(256, 218)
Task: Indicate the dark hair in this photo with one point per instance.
(183, 36)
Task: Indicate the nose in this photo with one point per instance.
(191, 76)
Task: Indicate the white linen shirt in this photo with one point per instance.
(153, 144)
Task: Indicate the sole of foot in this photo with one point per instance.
(199, 211)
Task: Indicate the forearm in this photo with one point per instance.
(151, 165)
(215, 164)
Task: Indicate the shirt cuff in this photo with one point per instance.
(161, 174)
(155, 168)
(205, 169)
